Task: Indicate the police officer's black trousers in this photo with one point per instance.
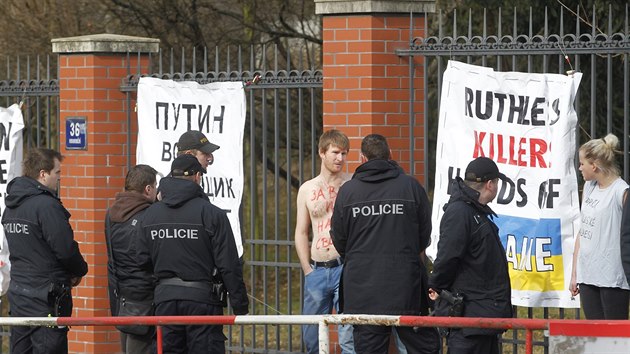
(480, 344)
(39, 340)
(375, 339)
(191, 339)
(34, 340)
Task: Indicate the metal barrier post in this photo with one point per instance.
(529, 337)
(323, 337)
(159, 339)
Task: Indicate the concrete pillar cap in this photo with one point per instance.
(105, 43)
(358, 7)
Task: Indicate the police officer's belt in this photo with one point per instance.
(328, 264)
(190, 284)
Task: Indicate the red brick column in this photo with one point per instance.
(91, 69)
(366, 85)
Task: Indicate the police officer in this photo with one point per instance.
(381, 224)
(194, 142)
(45, 260)
(190, 245)
(470, 261)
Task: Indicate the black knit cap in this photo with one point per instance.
(482, 169)
(194, 139)
(186, 165)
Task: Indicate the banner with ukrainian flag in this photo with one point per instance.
(527, 124)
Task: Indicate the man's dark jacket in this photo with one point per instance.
(41, 243)
(471, 259)
(184, 236)
(123, 271)
(381, 224)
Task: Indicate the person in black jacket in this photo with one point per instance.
(45, 259)
(190, 246)
(130, 284)
(381, 225)
(471, 260)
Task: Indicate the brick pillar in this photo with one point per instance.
(366, 85)
(91, 69)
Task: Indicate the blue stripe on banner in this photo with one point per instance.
(546, 233)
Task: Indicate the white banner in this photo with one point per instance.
(11, 151)
(525, 123)
(167, 109)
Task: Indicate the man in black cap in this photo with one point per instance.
(470, 268)
(195, 143)
(188, 244)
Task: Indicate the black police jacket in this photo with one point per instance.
(124, 273)
(471, 259)
(184, 236)
(381, 224)
(41, 241)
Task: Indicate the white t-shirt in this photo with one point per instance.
(5, 267)
(599, 257)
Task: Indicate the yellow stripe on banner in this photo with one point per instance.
(529, 278)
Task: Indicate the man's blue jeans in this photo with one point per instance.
(321, 293)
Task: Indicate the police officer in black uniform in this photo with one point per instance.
(45, 260)
(190, 245)
(470, 263)
(381, 225)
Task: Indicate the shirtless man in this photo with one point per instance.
(320, 262)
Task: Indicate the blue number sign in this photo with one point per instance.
(76, 133)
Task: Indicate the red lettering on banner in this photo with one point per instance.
(511, 150)
(491, 146)
(500, 158)
(537, 148)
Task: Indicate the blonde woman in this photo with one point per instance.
(597, 274)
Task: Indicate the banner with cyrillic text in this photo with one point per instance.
(11, 153)
(167, 109)
(526, 123)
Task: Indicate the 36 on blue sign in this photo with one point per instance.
(76, 133)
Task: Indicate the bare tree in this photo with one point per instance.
(209, 23)
(29, 25)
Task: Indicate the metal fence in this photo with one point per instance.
(283, 124)
(33, 86)
(284, 121)
(531, 41)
